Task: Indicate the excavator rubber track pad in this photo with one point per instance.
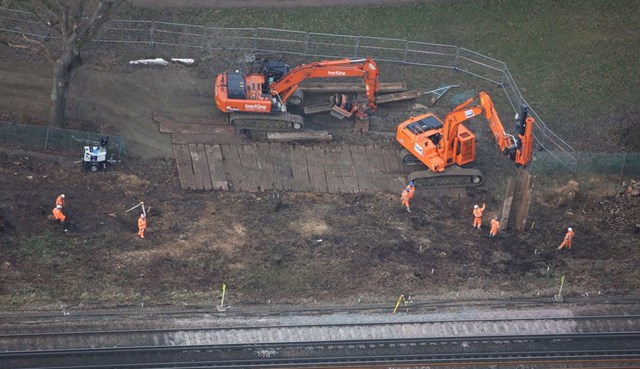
(284, 122)
(452, 177)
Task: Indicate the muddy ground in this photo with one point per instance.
(267, 247)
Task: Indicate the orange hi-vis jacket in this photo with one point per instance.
(408, 192)
(495, 225)
(478, 212)
(142, 223)
(60, 201)
(569, 237)
(57, 213)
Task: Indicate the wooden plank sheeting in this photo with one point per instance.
(299, 169)
(216, 167)
(317, 176)
(250, 170)
(266, 167)
(362, 168)
(281, 157)
(332, 171)
(200, 167)
(232, 164)
(185, 170)
(349, 180)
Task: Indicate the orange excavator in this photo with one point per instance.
(257, 101)
(445, 146)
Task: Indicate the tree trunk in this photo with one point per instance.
(62, 73)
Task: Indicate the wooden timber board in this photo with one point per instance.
(200, 167)
(203, 138)
(349, 180)
(216, 167)
(300, 169)
(232, 163)
(317, 176)
(185, 170)
(362, 168)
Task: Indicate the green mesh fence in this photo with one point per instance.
(624, 164)
(52, 138)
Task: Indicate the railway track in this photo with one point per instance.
(613, 348)
(613, 337)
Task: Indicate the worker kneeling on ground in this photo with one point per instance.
(495, 225)
(568, 238)
(407, 194)
(477, 215)
(57, 213)
(142, 225)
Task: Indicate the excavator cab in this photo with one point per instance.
(273, 70)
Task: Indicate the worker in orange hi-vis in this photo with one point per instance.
(60, 200)
(142, 225)
(495, 226)
(407, 194)
(477, 215)
(567, 239)
(57, 213)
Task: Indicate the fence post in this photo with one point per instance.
(151, 33)
(406, 51)
(355, 50)
(306, 44)
(455, 61)
(46, 139)
(624, 159)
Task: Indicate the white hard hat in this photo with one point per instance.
(62, 195)
(58, 206)
(475, 206)
(142, 215)
(570, 229)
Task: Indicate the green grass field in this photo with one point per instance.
(575, 61)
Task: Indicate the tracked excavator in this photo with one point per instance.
(444, 147)
(258, 101)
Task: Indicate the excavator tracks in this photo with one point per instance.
(452, 177)
(282, 122)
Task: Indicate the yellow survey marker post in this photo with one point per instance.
(221, 307)
(400, 299)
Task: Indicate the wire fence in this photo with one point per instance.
(206, 40)
(52, 138)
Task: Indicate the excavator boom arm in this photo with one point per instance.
(465, 111)
(366, 68)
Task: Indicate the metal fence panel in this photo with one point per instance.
(433, 55)
(480, 65)
(331, 46)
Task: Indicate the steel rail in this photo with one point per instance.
(334, 325)
(309, 344)
(523, 357)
